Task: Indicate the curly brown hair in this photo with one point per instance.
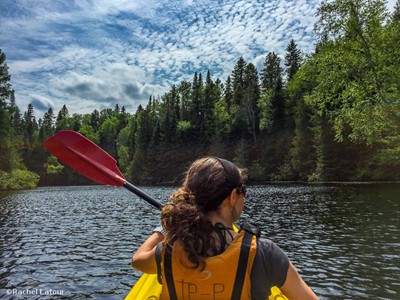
(208, 182)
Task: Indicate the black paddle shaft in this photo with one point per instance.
(142, 194)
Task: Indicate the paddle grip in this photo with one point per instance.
(129, 186)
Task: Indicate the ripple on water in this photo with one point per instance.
(343, 238)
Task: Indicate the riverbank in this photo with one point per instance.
(18, 179)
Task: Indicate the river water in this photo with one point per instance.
(76, 242)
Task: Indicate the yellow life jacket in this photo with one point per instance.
(226, 276)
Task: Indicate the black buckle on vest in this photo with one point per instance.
(251, 228)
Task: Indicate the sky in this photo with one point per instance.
(95, 54)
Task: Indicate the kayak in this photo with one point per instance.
(148, 288)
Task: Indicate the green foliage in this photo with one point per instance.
(265, 106)
(6, 93)
(222, 120)
(183, 127)
(333, 115)
(396, 13)
(123, 149)
(18, 180)
(271, 72)
(53, 166)
(293, 59)
(358, 82)
(88, 131)
(47, 127)
(108, 132)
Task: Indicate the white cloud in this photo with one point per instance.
(91, 55)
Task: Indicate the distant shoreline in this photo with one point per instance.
(171, 184)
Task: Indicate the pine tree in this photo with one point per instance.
(211, 96)
(15, 117)
(237, 108)
(238, 81)
(292, 63)
(184, 90)
(228, 93)
(197, 114)
(169, 116)
(6, 93)
(396, 13)
(143, 135)
(251, 96)
(95, 120)
(6, 90)
(271, 72)
(63, 121)
(47, 126)
(292, 60)
(278, 106)
(30, 126)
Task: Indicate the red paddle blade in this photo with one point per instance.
(85, 157)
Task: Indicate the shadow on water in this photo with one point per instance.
(344, 239)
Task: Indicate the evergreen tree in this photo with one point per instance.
(396, 13)
(95, 120)
(77, 121)
(301, 161)
(63, 121)
(30, 126)
(240, 124)
(238, 81)
(47, 125)
(170, 116)
(272, 86)
(251, 96)
(117, 109)
(15, 117)
(211, 96)
(197, 114)
(292, 60)
(63, 113)
(6, 90)
(271, 72)
(108, 133)
(228, 93)
(143, 135)
(184, 91)
(278, 106)
(6, 93)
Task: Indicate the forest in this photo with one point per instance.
(330, 115)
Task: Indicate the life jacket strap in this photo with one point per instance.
(242, 266)
(169, 278)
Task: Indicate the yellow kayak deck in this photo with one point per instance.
(148, 288)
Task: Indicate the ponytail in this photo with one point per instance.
(183, 219)
(207, 184)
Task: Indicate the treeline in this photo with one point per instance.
(333, 115)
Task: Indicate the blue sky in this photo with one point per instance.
(96, 54)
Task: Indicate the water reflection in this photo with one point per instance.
(344, 239)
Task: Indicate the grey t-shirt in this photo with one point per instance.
(269, 269)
